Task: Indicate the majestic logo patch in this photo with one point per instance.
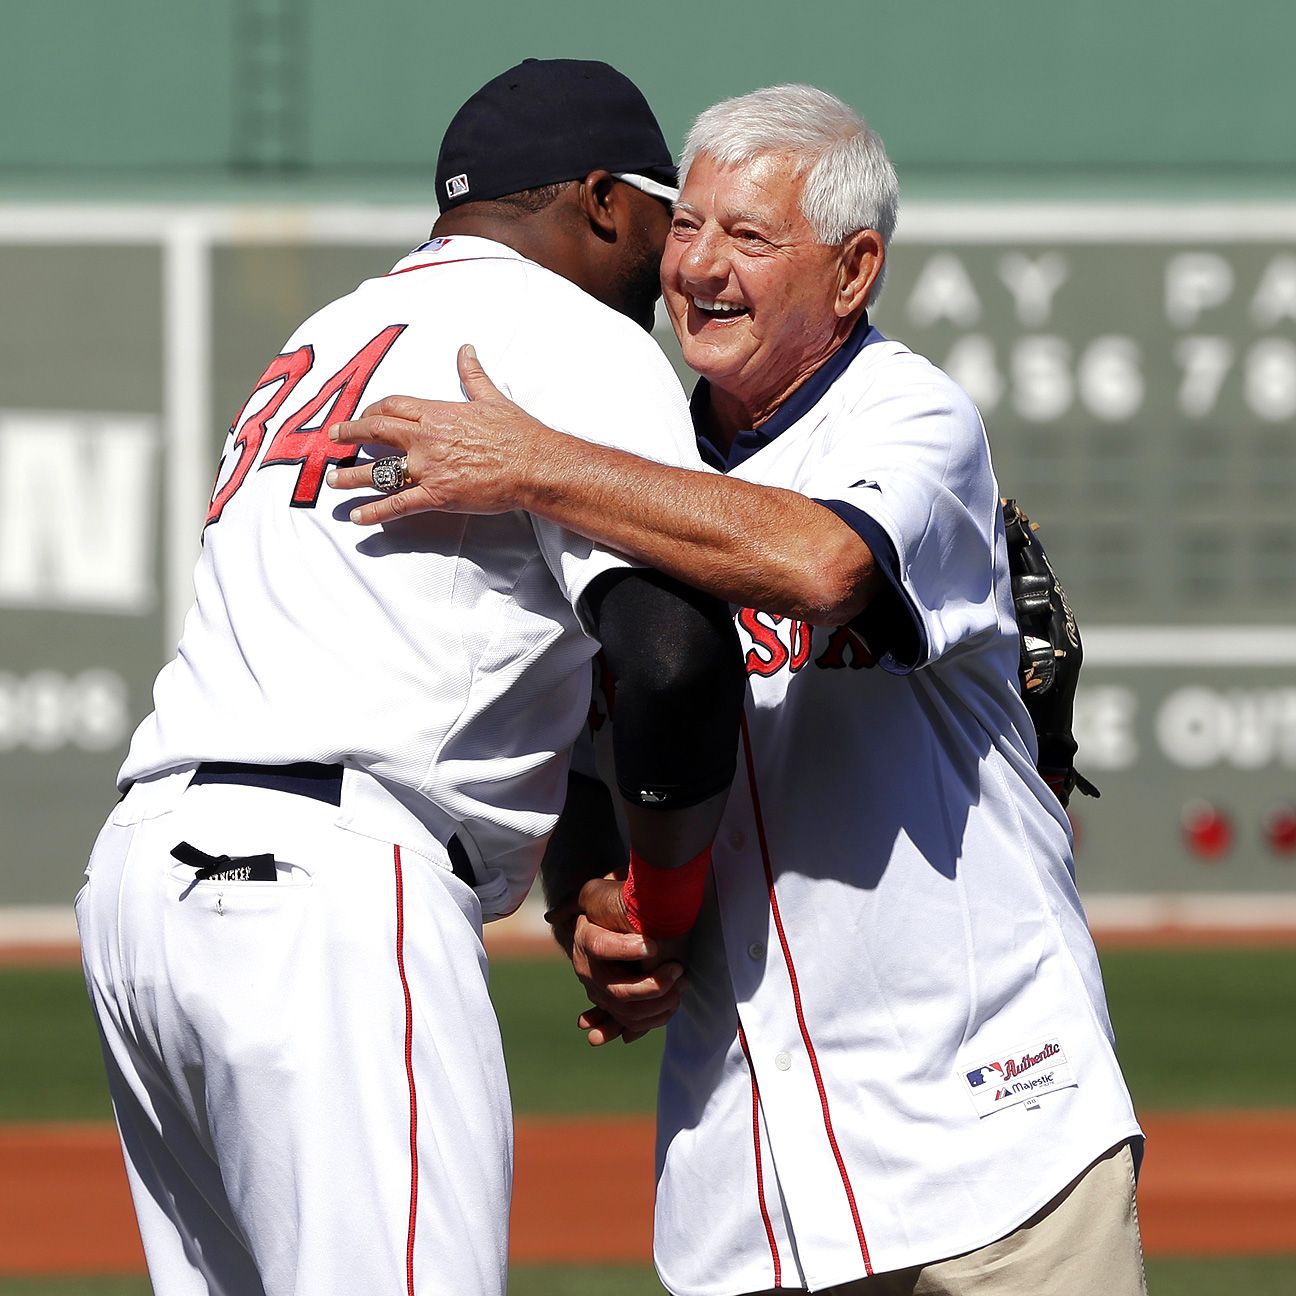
(457, 186)
(1023, 1077)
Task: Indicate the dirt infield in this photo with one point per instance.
(1214, 1184)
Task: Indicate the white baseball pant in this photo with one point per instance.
(306, 1072)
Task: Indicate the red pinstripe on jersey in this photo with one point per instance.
(760, 1171)
(409, 1072)
(429, 265)
(796, 998)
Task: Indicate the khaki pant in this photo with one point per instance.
(1085, 1242)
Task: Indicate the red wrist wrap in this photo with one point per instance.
(665, 901)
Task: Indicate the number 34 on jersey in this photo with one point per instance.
(301, 440)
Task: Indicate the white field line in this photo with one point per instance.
(1231, 911)
(1185, 223)
(233, 223)
(37, 925)
(1189, 645)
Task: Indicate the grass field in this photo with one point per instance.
(1208, 1028)
(1197, 1029)
(1272, 1276)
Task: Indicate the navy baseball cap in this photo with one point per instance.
(549, 120)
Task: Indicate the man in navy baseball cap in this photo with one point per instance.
(563, 161)
(551, 120)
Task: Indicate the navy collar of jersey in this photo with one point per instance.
(798, 404)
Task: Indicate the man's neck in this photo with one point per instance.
(729, 413)
(479, 221)
(723, 418)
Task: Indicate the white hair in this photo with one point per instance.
(850, 183)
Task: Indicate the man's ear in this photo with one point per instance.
(860, 263)
(597, 196)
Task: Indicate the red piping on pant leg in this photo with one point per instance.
(409, 1073)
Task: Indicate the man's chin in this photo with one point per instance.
(706, 360)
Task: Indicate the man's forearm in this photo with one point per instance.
(585, 844)
(756, 546)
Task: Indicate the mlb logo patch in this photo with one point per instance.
(456, 186)
(1024, 1076)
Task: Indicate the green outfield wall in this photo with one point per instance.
(1097, 238)
(956, 87)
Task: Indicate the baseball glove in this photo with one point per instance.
(1051, 653)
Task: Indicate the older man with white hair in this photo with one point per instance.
(893, 1070)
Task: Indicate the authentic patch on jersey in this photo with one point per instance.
(456, 186)
(1023, 1077)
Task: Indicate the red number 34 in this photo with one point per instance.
(296, 443)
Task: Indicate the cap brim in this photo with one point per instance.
(666, 175)
(650, 185)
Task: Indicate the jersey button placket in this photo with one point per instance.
(783, 1060)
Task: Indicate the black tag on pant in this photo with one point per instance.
(226, 868)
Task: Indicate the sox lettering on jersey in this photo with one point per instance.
(779, 642)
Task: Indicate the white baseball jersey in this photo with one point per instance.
(439, 659)
(306, 1070)
(896, 1046)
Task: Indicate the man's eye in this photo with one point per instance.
(749, 236)
(681, 226)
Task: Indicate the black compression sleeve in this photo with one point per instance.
(677, 665)
(585, 843)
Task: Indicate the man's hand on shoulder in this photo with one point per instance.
(461, 456)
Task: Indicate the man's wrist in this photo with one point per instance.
(543, 479)
(664, 903)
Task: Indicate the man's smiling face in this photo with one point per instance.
(751, 290)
